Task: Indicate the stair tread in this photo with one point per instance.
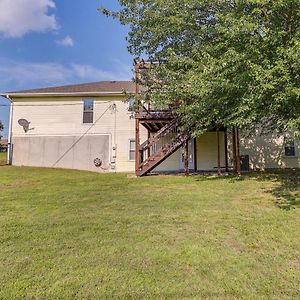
(162, 154)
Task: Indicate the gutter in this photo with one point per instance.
(83, 94)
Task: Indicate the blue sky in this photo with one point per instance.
(55, 42)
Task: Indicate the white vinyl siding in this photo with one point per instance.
(62, 116)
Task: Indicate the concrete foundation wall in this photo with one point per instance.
(70, 152)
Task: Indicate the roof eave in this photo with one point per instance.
(68, 94)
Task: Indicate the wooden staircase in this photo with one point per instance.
(162, 126)
(159, 147)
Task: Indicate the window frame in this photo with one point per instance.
(285, 146)
(130, 150)
(82, 112)
(131, 104)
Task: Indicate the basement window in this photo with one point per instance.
(131, 148)
(289, 147)
(88, 111)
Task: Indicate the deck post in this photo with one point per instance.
(219, 152)
(234, 151)
(137, 147)
(149, 150)
(186, 157)
(195, 155)
(137, 123)
(226, 149)
(238, 162)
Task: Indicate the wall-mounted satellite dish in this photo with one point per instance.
(98, 162)
(25, 124)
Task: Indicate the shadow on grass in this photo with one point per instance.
(2, 163)
(3, 158)
(286, 189)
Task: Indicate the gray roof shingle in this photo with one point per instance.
(94, 87)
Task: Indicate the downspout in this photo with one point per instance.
(10, 148)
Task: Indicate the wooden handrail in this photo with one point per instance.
(161, 154)
(154, 114)
(162, 132)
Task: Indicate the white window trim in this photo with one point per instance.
(82, 111)
(129, 141)
(131, 104)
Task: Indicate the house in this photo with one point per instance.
(3, 145)
(91, 127)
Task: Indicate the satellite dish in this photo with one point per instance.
(97, 162)
(24, 123)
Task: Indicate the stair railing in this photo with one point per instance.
(151, 145)
(162, 152)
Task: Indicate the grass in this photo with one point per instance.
(3, 158)
(80, 235)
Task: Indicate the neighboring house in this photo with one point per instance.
(91, 127)
(3, 145)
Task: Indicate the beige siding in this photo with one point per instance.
(206, 156)
(268, 152)
(170, 164)
(63, 117)
(207, 151)
(59, 121)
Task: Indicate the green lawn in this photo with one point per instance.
(80, 235)
(3, 158)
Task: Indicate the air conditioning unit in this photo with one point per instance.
(245, 163)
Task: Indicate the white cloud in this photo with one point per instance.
(87, 71)
(29, 75)
(17, 17)
(67, 41)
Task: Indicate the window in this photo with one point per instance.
(131, 104)
(88, 111)
(289, 147)
(131, 154)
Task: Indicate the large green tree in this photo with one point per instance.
(1, 129)
(232, 63)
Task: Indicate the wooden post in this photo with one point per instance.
(149, 150)
(186, 157)
(238, 156)
(234, 151)
(219, 153)
(226, 149)
(137, 147)
(137, 124)
(195, 154)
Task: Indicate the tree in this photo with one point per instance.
(232, 63)
(1, 128)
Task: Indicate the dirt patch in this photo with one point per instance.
(16, 184)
